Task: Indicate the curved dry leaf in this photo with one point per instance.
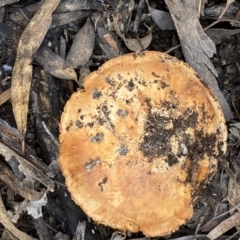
(22, 72)
(82, 47)
(162, 19)
(131, 43)
(138, 44)
(54, 64)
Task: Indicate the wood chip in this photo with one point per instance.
(6, 95)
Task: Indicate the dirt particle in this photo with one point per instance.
(155, 75)
(130, 85)
(97, 138)
(91, 163)
(122, 113)
(69, 126)
(123, 150)
(78, 123)
(111, 82)
(104, 181)
(164, 84)
(96, 94)
(90, 124)
(171, 160)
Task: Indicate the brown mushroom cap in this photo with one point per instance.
(139, 142)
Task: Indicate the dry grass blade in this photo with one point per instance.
(22, 72)
(5, 220)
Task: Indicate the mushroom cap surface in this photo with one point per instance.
(140, 141)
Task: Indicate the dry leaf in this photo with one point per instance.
(162, 19)
(24, 14)
(224, 226)
(233, 192)
(73, 5)
(6, 222)
(131, 43)
(6, 235)
(218, 34)
(197, 46)
(54, 63)
(6, 2)
(22, 72)
(61, 236)
(28, 170)
(59, 19)
(216, 10)
(82, 47)
(15, 184)
(18, 209)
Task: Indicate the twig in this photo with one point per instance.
(234, 235)
(221, 215)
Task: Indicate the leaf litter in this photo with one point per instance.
(29, 42)
(116, 35)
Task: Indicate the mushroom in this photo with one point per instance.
(141, 140)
